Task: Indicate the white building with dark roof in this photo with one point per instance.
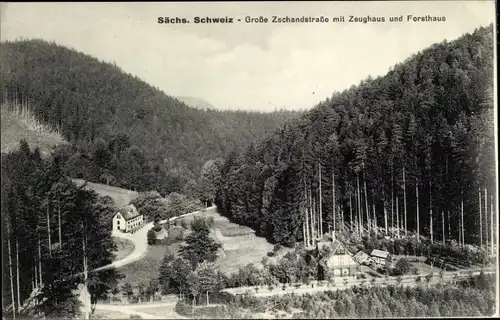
(363, 258)
(338, 261)
(127, 219)
(381, 257)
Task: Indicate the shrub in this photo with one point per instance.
(276, 248)
(183, 309)
(151, 237)
(184, 224)
(361, 276)
(402, 267)
(270, 254)
(211, 312)
(210, 221)
(135, 316)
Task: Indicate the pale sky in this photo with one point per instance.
(246, 66)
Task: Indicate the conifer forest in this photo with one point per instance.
(404, 163)
(412, 151)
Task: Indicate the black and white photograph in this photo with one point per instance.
(249, 160)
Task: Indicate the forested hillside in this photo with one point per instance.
(413, 149)
(122, 131)
(51, 231)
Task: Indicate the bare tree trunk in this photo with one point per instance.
(342, 214)
(48, 226)
(404, 202)
(486, 217)
(442, 222)
(462, 216)
(350, 211)
(333, 198)
(308, 227)
(356, 218)
(306, 215)
(86, 312)
(33, 280)
(313, 220)
(366, 200)
(59, 221)
(36, 273)
(392, 203)
(315, 214)
(320, 204)
(480, 220)
(385, 219)
(360, 218)
(492, 227)
(459, 231)
(11, 273)
(375, 221)
(40, 263)
(304, 232)
(17, 276)
(430, 209)
(397, 217)
(418, 212)
(449, 223)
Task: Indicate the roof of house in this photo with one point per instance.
(342, 260)
(128, 212)
(334, 246)
(361, 256)
(379, 253)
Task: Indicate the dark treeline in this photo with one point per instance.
(411, 151)
(122, 131)
(474, 296)
(52, 231)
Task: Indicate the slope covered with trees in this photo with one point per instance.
(52, 232)
(123, 131)
(412, 151)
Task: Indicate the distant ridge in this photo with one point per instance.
(117, 124)
(194, 102)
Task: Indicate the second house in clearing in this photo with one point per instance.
(127, 219)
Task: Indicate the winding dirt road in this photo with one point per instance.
(167, 310)
(140, 242)
(139, 239)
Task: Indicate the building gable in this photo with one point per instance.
(129, 212)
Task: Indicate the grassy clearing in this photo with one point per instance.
(424, 268)
(147, 268)
(125, 247)
(166, 312)
(240, 244)
(108, 314)
(230, 231)
(122, 197)
(13, 129)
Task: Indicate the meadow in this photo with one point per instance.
(122, 197)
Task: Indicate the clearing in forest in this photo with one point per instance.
(239, 243)
(122, 197)
(14, 128)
